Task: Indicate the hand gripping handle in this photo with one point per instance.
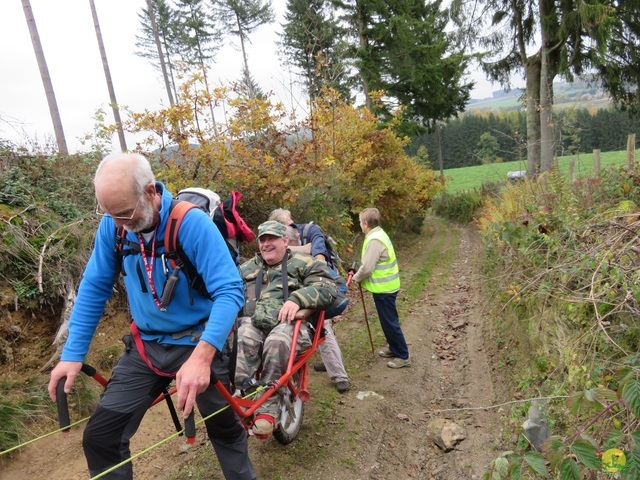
(190, 428)
(63, 407)
(352, 271)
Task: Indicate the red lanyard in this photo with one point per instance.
(148, 266)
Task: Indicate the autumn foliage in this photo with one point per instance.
(326, 167)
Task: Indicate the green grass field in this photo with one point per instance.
(466, 178)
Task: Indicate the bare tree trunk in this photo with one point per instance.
(107, 75)
(206, 86)
(154, 28)
(533, 116)
(46, 79)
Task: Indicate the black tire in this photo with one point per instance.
(291, 415)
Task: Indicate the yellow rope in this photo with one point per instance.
(130, 459)
(164, 440)
(43, 436)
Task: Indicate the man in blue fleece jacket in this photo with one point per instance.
(185, 339)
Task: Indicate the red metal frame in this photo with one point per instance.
(245, 407)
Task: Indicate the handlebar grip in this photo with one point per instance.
(63, 407)
(88, 370)
(190, 428)
(352, 271)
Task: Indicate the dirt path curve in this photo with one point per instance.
(347, 437)
(450, 370)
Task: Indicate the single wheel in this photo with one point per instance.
(291, 414)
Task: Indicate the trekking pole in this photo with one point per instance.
(366, 319)
(352, 271)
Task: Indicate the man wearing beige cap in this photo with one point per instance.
(277, 283)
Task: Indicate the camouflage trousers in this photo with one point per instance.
(271, 349)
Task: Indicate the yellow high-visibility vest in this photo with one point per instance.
(386, 276)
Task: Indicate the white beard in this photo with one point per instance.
(144, 222)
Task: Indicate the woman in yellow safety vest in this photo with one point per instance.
(379, 274)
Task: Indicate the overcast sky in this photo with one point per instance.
(71, 50)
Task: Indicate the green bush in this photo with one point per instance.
(460, 207)
(46, 208)
(564, 262)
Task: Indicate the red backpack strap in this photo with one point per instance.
(176, 215)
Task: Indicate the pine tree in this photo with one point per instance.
(404, 51)
(198, 38)
(157, 41)
(241, 18)
(312, 41)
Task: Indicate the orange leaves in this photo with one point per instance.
(328, 166)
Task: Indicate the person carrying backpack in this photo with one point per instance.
(315, 246)
(183, 338)
(310, 233)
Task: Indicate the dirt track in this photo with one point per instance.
(379, 437)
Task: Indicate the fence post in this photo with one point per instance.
(631, 149)
(596, 161)
(572, 169)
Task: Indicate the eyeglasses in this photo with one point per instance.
(102, 213)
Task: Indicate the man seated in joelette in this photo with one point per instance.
(277, 283)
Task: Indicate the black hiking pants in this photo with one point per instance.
(130, 392)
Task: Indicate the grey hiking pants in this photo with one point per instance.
(130, 392)
(271, 349)
(332, 356)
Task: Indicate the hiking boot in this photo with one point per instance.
(386, 353)
(399, 363)
(263, 425)
(320, 367)
(343, 386)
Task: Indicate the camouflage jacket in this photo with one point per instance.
(310, 285)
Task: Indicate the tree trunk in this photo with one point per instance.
(206, 80)
(631, 150)
(46, 79)
(533, 115)
(546, 115)
(363, 43)
(547, 73)
(163, 67)
(107, 75)
(572, 170)
(439, 147)
(247, 75)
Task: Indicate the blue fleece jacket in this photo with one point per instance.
(315, 236)
(206, 249)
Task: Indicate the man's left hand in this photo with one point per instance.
(194, 376)
(288, 311)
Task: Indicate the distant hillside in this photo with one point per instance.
(567, 95)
